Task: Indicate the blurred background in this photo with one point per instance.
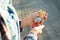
(52, 7)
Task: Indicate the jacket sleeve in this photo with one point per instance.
(30, 36)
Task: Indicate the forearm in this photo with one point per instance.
(32, 35)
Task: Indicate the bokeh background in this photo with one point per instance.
(52, 7)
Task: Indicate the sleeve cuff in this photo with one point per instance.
(30, 36)
(21, 29)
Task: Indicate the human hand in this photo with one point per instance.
(38, 30)
(29, 19)
(42, 17)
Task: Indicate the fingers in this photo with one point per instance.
(45, 16)
(39, 28)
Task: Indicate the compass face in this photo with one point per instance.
(37, 19)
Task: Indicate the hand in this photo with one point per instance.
(38, 14)
(38, 30)
(29, 19)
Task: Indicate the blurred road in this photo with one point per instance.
(52, 7)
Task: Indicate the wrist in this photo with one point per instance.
(34, 31)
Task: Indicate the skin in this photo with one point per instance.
(29, 20)
(37, 30)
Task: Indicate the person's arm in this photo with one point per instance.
(33, 34)
(28, 21)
